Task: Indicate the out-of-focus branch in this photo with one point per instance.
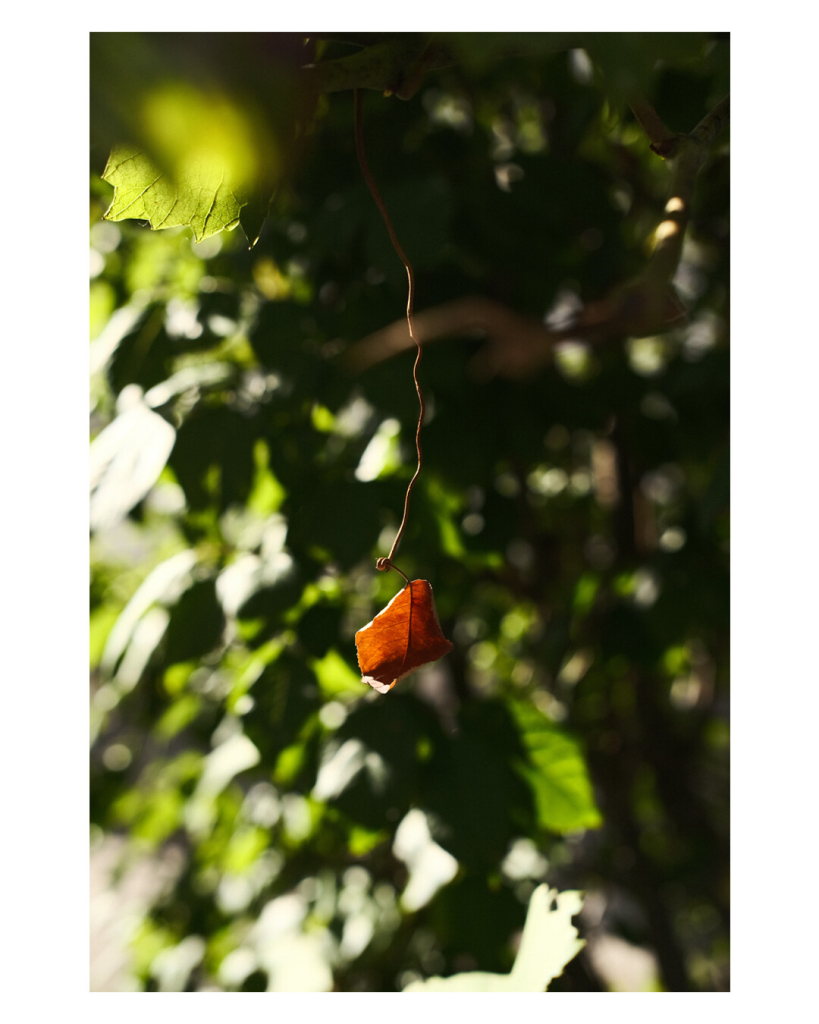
(517, 345)
(473, 316)
(662, 140)
(690, 152)
(713, 122)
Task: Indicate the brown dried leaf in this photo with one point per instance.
(401, 638)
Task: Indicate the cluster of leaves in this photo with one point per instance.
(573, 525)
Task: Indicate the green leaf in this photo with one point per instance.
(244, 847)
(181, 713)
(336, 678)
(548, 943)
(199, 198)
(361, 840)
(557, 773)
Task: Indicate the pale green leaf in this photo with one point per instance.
(127, 457)
(548, 943)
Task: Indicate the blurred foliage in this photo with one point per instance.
(573, 522)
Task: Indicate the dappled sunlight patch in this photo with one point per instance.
(430, 866)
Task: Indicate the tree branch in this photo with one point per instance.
(518, 345)
(689, 155)
(662, 140)
(713, 122)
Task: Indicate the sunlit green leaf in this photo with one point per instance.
(556, 771)
(336, 677)
(183, 711)
(243, 849)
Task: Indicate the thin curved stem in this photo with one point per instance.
(386, 563)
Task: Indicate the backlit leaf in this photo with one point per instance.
(199, 199)
(556, 771)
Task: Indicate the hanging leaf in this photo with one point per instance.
(401, 638)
